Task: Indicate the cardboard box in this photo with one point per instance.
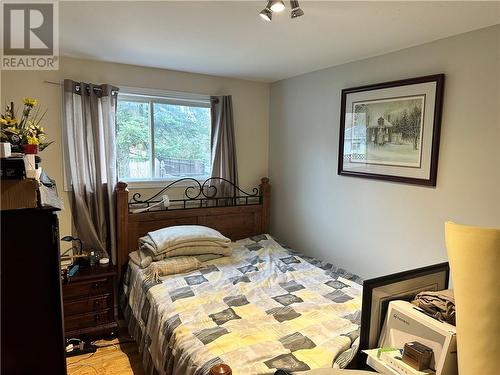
(16, 194)
(404, 323)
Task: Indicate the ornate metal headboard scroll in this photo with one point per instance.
(213, 192)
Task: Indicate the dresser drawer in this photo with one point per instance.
(81, 306)
(84, 289)
(80, 321)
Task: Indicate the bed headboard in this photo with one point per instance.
(236, 215)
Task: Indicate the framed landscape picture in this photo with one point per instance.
(390, 131)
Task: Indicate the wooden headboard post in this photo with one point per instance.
(122, 224)
(265, 192)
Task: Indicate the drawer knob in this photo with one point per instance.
(96, 286)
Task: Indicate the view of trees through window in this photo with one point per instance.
(171, 144)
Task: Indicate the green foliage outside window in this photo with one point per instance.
(181, 139)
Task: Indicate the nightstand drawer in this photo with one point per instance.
(80, 321)
(87, 289)
(88, 299)
(91, 304)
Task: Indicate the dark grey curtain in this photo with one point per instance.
(89, 130)
(223, 144)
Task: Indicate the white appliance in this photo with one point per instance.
(405, 322)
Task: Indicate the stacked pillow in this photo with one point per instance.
(182, 240)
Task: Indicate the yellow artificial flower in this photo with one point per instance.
(30, 102)
(10, 121)
(3, 121)
(32, 140)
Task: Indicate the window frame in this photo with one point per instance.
(152, 96)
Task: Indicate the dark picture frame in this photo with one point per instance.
(424, 168)
(378, 292)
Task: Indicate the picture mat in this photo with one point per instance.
(376, 111)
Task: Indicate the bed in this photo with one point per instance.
(265, 307)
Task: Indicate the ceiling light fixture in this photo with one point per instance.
(278, 6)
(266, 13)
(296, 11)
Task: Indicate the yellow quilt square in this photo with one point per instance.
(249, 311)
(317, 357)
(224, 344)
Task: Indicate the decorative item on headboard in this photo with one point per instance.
(237, 215)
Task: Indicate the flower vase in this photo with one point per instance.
(29, 160)
(5, 150)
(30, 149)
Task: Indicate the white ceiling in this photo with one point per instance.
(229, 39)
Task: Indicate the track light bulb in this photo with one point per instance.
(266, 14)
(296, 11)
(277, 6)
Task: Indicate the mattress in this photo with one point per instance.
(265, 307)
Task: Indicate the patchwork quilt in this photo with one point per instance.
(266, 307)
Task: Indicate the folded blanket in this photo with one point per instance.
(167, 239)
(211, 245)
(148, 257)
(171, 266)
(143, 260)
(440, 304)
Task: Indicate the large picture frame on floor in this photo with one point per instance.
(390, 131)
(378, 292)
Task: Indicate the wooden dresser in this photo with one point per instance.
(88, 299)
(32, 337)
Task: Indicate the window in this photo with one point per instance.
(162, 138)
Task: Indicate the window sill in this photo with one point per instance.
(155, 184)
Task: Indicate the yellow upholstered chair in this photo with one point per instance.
(474, 256)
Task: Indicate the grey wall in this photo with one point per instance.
(375, 227)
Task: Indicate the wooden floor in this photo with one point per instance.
(114, 359)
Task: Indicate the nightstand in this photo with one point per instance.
(88, 300)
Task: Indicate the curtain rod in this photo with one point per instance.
(62, 84)
(130, 90)
(53, 83)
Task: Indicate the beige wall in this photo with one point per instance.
(250, 102)
(374, 227)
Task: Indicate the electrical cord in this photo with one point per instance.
(85, 365)
(80, 366)
(81, 359)
(67, 251)
(113, 344)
